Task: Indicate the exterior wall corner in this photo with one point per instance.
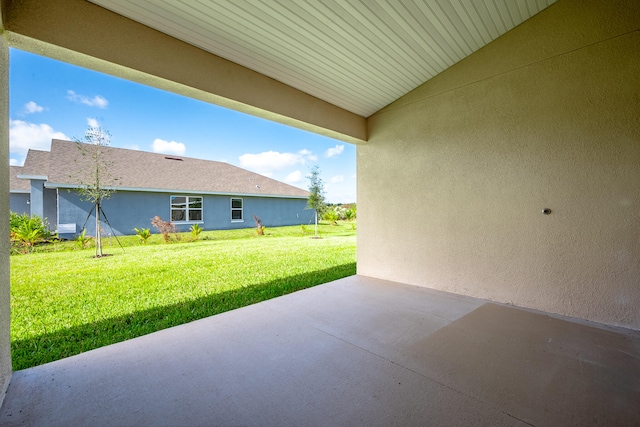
(5, 305)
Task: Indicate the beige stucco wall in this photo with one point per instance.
(5, 342)
(455, 174)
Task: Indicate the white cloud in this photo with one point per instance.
(335, 151)
(270, 161)
(31, 107)
(294, 177)
(96, 101)
(14, 162)
(308, 155)
(24, 135)
(92, 122)
(338, 178)
(168, 147)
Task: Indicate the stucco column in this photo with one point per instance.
(5, 340)
(37, 197)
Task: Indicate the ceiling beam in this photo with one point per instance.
(82, 33)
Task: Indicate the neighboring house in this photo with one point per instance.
(38, 199)
(19, 190)
(187, 191)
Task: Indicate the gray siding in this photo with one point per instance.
(37, 197)
(125, 210)
(273, 212)
(19, 203)
(128, 209)
(281, 212)
(42, 202)
(50, 208)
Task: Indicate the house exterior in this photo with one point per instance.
(28, 193)
(19, 192)
(183, 190)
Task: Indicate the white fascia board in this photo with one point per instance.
(19, 191)
(42, 177)
(174, 192)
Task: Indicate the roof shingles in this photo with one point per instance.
(16, 184)
(132, 169)
(36, 163)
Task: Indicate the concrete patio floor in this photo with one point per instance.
(357, 351)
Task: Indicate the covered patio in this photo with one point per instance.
(358, 351)
(498, 158)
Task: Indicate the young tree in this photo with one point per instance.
(96, 183)
(316, 198)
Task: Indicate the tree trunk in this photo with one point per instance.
(316, 223)
(98, 234)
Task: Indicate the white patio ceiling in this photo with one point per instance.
(357, 54)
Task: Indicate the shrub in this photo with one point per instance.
(331, 215)
(259, 227)
(350, 214)
(143, 234)
(164, 227)
(195, 231)
(28, 230)
(16, 220)
(82, 240)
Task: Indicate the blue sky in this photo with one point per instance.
(52, 99)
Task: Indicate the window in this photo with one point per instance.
(186, 208)
(236, 210)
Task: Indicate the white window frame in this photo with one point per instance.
(241, 209)
(186, 209)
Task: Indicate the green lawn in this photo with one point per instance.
(64, 302)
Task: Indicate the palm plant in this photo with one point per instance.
(83, 240)
(350, 214)
(30, 232)
(195, 231)
(332, 216)
(143, 234)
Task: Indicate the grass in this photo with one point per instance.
(65, 302)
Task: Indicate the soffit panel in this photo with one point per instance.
(357, 55)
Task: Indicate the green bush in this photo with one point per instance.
(195, 231)
(331, 215)
(350, 214)
(82, 240)
(335, 213)
(143, 234)
(27, 231)
(16, 220)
